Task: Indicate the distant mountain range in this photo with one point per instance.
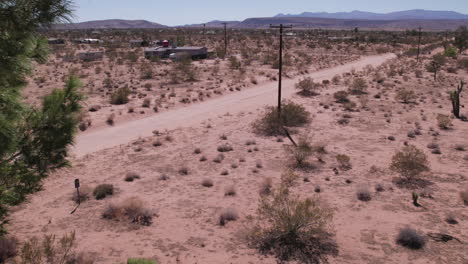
(429, 20)
(401, 15)
(111, 23)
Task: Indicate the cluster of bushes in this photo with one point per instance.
(292, 115)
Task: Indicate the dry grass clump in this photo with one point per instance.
(103, 190)
(363, 194)
(131, 176)
(288, 178)
(120, 96)
(406, 96)
(230, 191)
(184, 171)
(344, 161)
(265, 186)
(410, 238)
(110, 119)
(292, 115)
(207, 183)
(464, 196)
(130, 210)
(157, 143)
(225, 148)
(49, 250)
(227, 215)
(358, 86)
(219, 158)
(197, 151)
(292, 229)
(8, 248)
(341, 97)
(307, 87)
(410, 162)
(444, 121)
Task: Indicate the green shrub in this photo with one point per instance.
(410, 162)
(451, 52)
(103, 190)
(292, 229)
(307, 87)
(292, 115)
(120, 96)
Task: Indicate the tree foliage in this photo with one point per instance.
(33, 140)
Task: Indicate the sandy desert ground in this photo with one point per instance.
(175, 151)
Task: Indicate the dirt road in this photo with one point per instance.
(246, 100)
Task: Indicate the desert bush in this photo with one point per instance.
(464, 197)
(8, 248)
(307, 87)
(363, 194)
(225, 148)
(219, 158)
(350, 106)
(444, 121)
(103, 190)
(207, 183)
(292, 229)
(344, 161)
(227, 215)
(234, 63)
(300, 153)
(265, 186)
(410, 238)
(120, 96)
(131, 176)
(184, 171)
(410, 162)
(406, 96)
(146, 103)
(292, 115)
(341, 97)
(110, 119)
(48, 250)
(130, 210)
(451, 52)
(288, 178)
(358, 86)
(230, 191)
(463, 63)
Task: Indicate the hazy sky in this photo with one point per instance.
(180, 12)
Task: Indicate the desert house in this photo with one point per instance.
(135, 43)
(164, 53)
(88, 41)
(55, 41)
(91, 55)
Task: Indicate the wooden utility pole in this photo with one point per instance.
(419, 44)
(225, 39)
(204, 33)
(280, 75)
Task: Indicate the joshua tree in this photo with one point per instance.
(455, 97)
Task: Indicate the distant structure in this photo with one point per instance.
(176, 52)
(136, 43)
(55, 41)
(88, 41)
(91, 55)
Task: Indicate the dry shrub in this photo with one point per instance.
(230, 191)
(292, 115)
(48, 250)
(363, 194)
(130, 210)
(265, 186)
(464, 196)
(292, 229)
(103, 190)
(131, 176)
(344, 161)
(444, 121)
(300, 154)
(225, 148)
(307, 87)
(120, 96)
(359, 86)
(207, 183)
(410, 238)
(288, 178)
(406, 96)
(410, 162)
(8, 248)
(341, 96)
(227, 215)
